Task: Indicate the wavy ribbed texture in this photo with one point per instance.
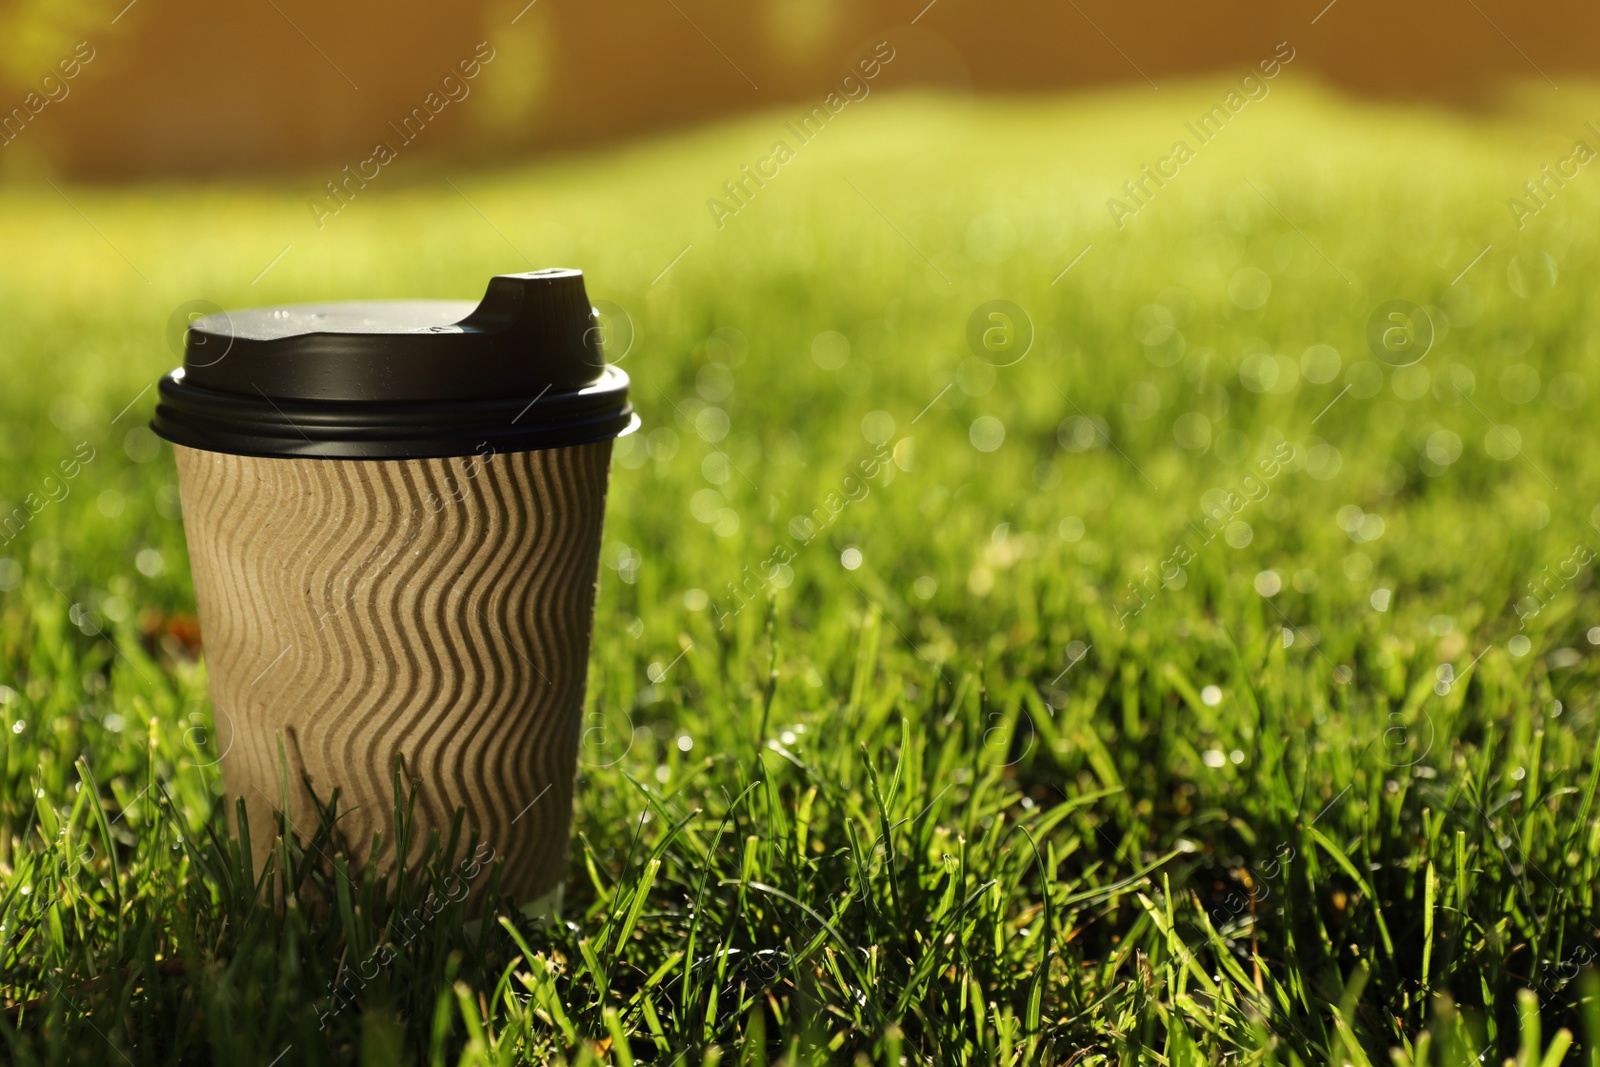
(439, 609)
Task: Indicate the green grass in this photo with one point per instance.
(957, 804)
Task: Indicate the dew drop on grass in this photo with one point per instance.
(1249, 288)
(1519, 383)
(1231, 446)
(1211, 696)
(987, 433)
(980, 581)
(712, 424)
(1519, 645)
(830, 349)
(1259, 372)
(1079, 433)
(714, 382)
(1443, 447)
(1144, 400)
(1566, 391)
(1411, 383)
(703, 505)
(1365, 379)
(630, 452)
(1192, 430)
(1502, 442)
(1323, 461)
(975, 376)
(1152, 324)
(662, 444)
(1320, 364)
(1214, 757)
(141, 445)
(877, 427)
(714, 468)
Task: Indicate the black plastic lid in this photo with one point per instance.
(400, 379)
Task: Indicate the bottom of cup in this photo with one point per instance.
(545, 909)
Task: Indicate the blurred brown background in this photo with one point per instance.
(181, 87)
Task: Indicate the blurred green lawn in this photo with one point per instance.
(937, 791)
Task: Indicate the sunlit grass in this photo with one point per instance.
(978, 767)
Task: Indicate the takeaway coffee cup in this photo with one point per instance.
(393, 512)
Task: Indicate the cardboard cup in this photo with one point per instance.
(438, 610)
(393, 511)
